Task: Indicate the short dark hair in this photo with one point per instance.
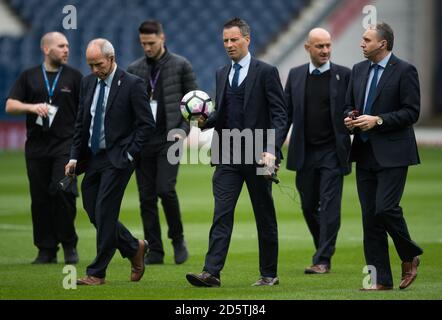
(240, 23)
(151, 26)
(385, 32)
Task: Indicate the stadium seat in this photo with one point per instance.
(193, 29)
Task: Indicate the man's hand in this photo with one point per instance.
(364, 122)
(69, 169)
(349, 123)
(40, 109)
(268, 161)
(202, 122)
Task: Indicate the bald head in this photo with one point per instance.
(100, 56)
(55, 47)
(318, 45)
(50, 38)
(100, 47)
(318, 34)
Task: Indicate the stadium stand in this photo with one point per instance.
(193, 29)
(438, 63)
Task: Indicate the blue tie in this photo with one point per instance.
(316, 72)
(370, 97)
(372, 90)
(235, 79)
(96, 130)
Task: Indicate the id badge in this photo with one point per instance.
(154, 107)
(51, 115)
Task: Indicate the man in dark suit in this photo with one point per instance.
(114, 122)
(319, 143)
(249, 98)
(384, 90)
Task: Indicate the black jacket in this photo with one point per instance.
(397, 102)
(264, 105)
(128, 120)
(295, 99)
(177, 78)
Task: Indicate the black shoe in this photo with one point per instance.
(180, 252)
(71, 256)
(154, 257)
(266, 281)
(203, 279)
(45, 257)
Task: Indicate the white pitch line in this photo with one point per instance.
(15, 227)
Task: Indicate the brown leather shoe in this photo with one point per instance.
(203, 279)
(90, 281)
(409, 272)
(317, 269)
(377, 287)
(137, 261)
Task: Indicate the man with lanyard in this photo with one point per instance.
(168, 78)
(48, 95)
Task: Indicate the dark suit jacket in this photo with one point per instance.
(128, 121)
(295, 98)
(264, 105)
(397, 102)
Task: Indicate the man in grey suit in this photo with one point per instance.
(113, 123)
(319, 143)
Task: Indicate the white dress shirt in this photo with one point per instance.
(325, 67)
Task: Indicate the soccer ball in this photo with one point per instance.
(195, 104)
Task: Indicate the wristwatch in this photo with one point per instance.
(379, 121)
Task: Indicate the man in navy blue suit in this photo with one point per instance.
(249, 100)
(319, 143)
(384, 92)
(114, 121)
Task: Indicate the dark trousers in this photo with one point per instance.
(103, 189)
(380, 191)
(53, 211)
(227, 184)
(319, 184)
(156, 178)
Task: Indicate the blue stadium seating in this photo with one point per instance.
(193, 29)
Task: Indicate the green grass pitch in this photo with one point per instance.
(422, 204)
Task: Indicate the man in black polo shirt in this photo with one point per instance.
(319, 143)
(48, 95)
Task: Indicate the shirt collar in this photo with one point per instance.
(244, 61)
(110, 78)
(383, 63)
(325, 67)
